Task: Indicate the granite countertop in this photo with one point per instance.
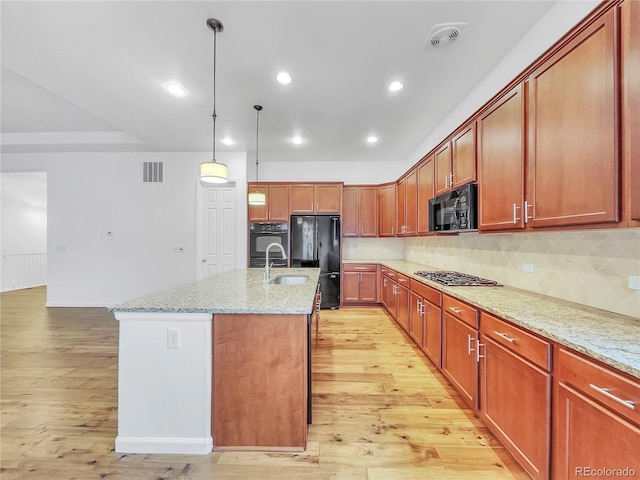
(612, 338)
(235, 291)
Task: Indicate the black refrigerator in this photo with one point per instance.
(315, 242)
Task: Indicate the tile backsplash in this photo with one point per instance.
(587, 267)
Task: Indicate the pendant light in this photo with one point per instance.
(257, 198)
(214, 172)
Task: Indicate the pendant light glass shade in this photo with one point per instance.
(214, 172)
(257, 198)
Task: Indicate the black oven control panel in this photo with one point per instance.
(268, 227)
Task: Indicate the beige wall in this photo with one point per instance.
(586, 267)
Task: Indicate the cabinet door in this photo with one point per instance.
(350, 224)
(411, 203)
(302, 200)
(463, 161)
(416, 317)
(368, 211)
(433, 333)
(387, 210)
(630, 11)
(501, 150)
(384, 291)
(350, 287)
(589, 436)
(511, 386)
(459, 363)
(573, 130)
(368, 287)
(392, 299)
(443, 169)
(258, 213)
(426, 191)
(402, 307)
(328, 198)
(400, 205)
(278, 203)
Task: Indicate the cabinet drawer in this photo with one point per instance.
(532, 348)
(359, 267)
(460, 310)
(388, 272)
(619, 393)
(425, 291)
(402, 279)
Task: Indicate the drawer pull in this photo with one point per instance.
(606, 393)
(359, 268)
(504, 337)
(456, 310)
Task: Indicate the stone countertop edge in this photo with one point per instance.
(611, 338)
(240, 291)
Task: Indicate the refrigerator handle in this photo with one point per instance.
(316, 254)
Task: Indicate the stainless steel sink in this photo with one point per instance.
(289, 280)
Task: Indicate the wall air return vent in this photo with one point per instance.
(444, 34)
(152, 172)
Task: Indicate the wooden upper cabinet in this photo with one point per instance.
(411, 203)
(463, 158)
(630, 13)
(387, 210)
(400, 206)
(443, 169)
(573, 157)
(309, 198)
(360, 211)
(277, 206)
(350, 223)
(426, 191)
(406, 204)
(501, 157)
(456, 160)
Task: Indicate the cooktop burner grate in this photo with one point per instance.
(457, 279)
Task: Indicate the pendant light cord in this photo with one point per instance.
(215, 34)
(257, 149)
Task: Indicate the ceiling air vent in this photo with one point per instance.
(152, 172)
(444, 34)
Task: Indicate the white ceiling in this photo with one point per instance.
(89, 76)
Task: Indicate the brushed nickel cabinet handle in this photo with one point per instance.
(504, 337)
(456, 310)
(469, 340)
(608, 394)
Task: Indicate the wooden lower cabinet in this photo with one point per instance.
(596, 421)
(402, 305)
(425, 319)
(515, 403)
(359, 284)
(459, 362)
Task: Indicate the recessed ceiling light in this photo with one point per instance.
(228, 141)
(297, 140)
(395, 86)
(175, 89)
(284, 78)
(372, 139)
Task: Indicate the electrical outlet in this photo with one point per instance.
(634, 282)
(527, 267)
(173, 338)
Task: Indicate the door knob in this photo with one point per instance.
(204, 260)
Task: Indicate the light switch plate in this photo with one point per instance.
(634, 282)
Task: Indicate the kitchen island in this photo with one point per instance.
(219, 363)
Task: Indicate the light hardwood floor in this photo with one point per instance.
(381, 411)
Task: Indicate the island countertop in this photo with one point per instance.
(235, 291)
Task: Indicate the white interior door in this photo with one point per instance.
(216, 230)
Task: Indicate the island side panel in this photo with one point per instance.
(260, 381)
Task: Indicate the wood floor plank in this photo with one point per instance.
(381, 410)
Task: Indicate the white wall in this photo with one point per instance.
(90, 194)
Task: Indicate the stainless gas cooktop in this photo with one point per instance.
(457, 279)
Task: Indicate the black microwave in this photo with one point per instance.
(455, 211)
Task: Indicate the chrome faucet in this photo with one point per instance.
(267, 267)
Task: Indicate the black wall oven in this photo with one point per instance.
(455, 211)
(261, 235)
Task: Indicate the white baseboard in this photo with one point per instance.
(183, 446)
